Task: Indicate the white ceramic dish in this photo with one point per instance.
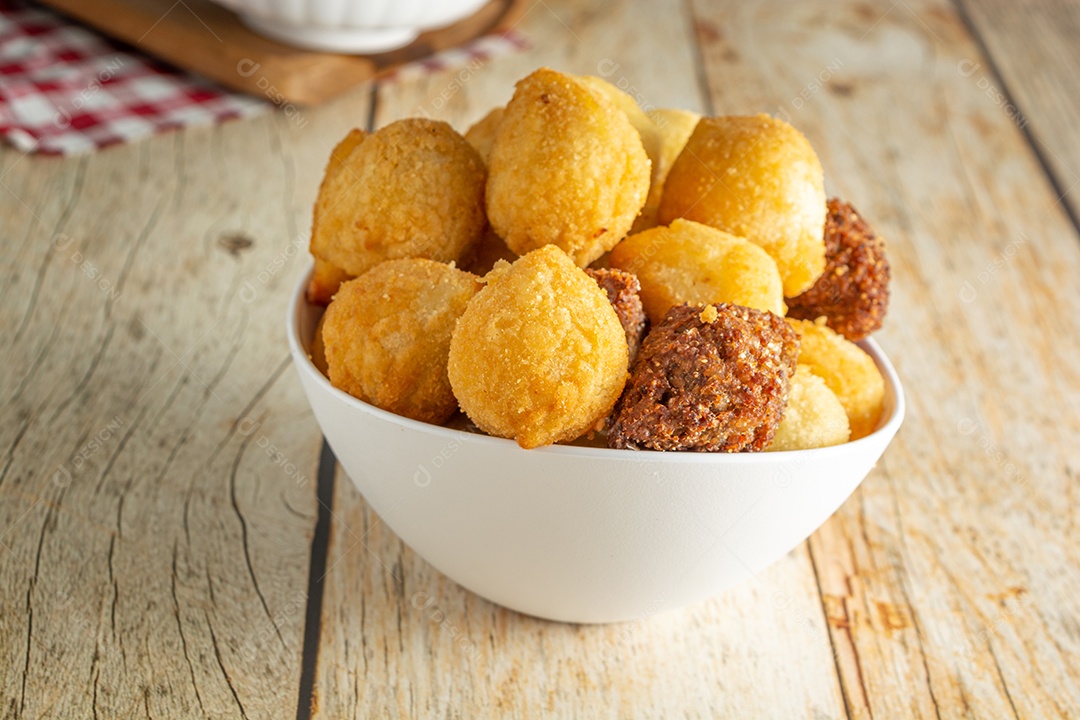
(349, 26)
(583, 534)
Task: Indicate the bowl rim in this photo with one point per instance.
(885, 430)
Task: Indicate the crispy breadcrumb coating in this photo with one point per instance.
(325, 281)
(481, 134)
(674, 127)
(490, 250)
(387, 336)
(756, 177)
(688, 262)
(415, 188)
(853, 292)
(718, 386)
(567, 168)
(539, 354)
(813, 416)
(847, 370)
(623, 290)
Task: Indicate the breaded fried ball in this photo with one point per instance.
(756, 177)
(847, 370)
(713, 379)
(387, 336)
(415, 188)
(650, 136)
(674, 127)
(567, 168)
(317, 351)
(325, 281)
(853, 292)
(481, 135)
(487, 252)
(692, 263)
(539, 355)
(813, 417)
(623, 292)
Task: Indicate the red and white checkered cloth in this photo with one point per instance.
(66, 90)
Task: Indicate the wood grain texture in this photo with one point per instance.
(157, 476)
(400, 639)
(1029, 75)
(936, 579)
(158, 461)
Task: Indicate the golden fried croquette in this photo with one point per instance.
(387, 336)
(688, 262)
(481, 134)
(317, 351)
(487, 252)
(813, 416)
(539, 355)
(674, 127)
(623, 292)
(651, 139)
(708, 381)
(567, 168)
(756, 177)
(327, 277)
(415, 188)
(847, 370)
(325, 281)
(853, 292)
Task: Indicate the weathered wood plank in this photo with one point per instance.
(163, 570)
(1031, 77)
(936, 603)
(158, 456)
(401, 639)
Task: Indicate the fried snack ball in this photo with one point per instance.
(692, 263)
(756, 177)
(415, 188)
(623, 292)
(651, 139)
(325, 281)
(317, 352)
(387, 336)
(813, 417)
(539, 355)
(853, 292)
(713, 379)
(490, 250)
(481, 135)
(674, 127)
(847, 370)
(567, 168)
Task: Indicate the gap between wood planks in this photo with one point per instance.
(320, 542)
(320, 545)
(1059, 191)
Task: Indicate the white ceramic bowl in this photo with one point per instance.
(349, 26)
(584, 534)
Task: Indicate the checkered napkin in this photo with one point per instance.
(66, 90)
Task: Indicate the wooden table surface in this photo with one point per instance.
(175, 542)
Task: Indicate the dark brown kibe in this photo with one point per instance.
(707, 386)
(623, 290)
(853, 292)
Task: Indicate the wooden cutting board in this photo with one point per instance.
(205, 38)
